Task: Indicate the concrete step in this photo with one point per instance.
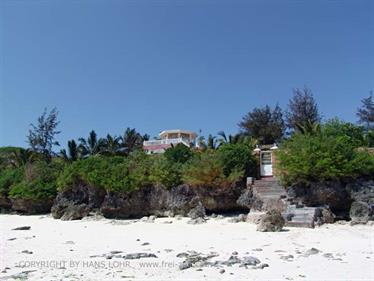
(300, 217)
(299, 224)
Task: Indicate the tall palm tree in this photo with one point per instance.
(73, 152)
(132, 140)
(227, 139)
(90, 147)
(111, 145)
(231, 139)
(210, 143)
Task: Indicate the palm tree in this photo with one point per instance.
(210, 143)
(90, 147)
(309, 128)
(20, 157)
(236, 139)
(73, 152)
(132, 140)
(111, 145)
(232, 139)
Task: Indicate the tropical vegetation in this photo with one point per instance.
(310, 150)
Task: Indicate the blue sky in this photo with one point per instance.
(154, 65)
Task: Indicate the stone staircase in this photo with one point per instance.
(300, 217)
(269, 194)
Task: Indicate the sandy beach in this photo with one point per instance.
(102, 249)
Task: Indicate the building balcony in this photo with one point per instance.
(166, 141)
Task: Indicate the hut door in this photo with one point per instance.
(266, 164)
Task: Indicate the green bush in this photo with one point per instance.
(306, 158)
(110, 173)
(138, 169)
(354, 134)
(370, 138)
(207, 169)
(164, 172)
(39, 181)
(105, 172)
(178, 154)
(9, 177)
(237, 157)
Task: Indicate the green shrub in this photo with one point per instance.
(355, 134)
(370, 138)
(138, 169)
(207, 169)
(39, 181)
(9, 177)
(110, 173)
(164, 172)
(237, 157)
(306, 158)
(105, 172)
(178, 154)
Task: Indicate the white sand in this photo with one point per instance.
(72, 243)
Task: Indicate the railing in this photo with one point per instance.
(166, 141)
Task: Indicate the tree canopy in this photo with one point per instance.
(264, 124)
(365, 113)
(42, 136)
(302, 110)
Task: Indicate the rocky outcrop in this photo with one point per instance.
(362, 194)
(353, 200)
(151, 200)
(324, 215)
(31, 206)
(246, 199)
(361, 212)
(221, 199)
(75, 202)
(5, 204)
(75, 212)
(271, 221)
(329, 193)
(197, 212)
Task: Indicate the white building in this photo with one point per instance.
(169, 138)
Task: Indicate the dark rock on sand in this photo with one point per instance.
(26, 252)
(360, 212)
(194, 259)
(134, 256)
(75, 212)
(312, 251)
(362, 208)
(249, 260)
(263, 265)
(22, 228)
(324, 215)
(271, 221)
(197, 212)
